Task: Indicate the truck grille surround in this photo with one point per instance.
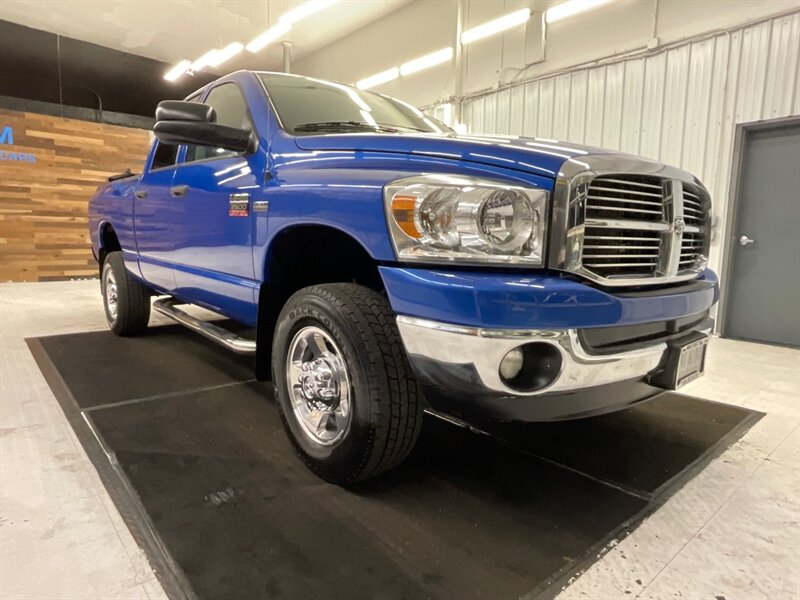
(630, 228)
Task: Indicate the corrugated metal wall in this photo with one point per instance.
(679, 106)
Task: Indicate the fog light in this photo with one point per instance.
(511, 364)
(531, 367)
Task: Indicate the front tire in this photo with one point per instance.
(125, 300)
(344, 387)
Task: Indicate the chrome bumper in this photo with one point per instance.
(484, 349)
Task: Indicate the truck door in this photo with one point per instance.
(212, 217)
(152, 219)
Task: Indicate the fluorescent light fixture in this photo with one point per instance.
(204, 60)
(226, 53)
(571, 7)
(378, 78)
(178, 70)
(429, 60)
(269, 36)
(304, 10)
(508, 21)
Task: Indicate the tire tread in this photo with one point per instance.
(397, 417)
(133, 299)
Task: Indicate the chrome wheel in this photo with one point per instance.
(319, 385)
(111, 295)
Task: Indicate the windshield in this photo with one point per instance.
(307, 106)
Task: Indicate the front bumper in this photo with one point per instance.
(470, 356)
(459, 366)
(457, 325)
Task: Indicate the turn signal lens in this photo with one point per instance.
(403, 213)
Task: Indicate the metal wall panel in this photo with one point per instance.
(679, 105)
(577, 106)
(531, 115)
(503, 111)
(633, 100)
(561, 109)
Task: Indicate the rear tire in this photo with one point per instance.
(344, 387)
(125, 300)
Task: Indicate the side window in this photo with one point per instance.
(231, 107)
(164, 156)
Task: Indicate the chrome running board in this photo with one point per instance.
(228, 339)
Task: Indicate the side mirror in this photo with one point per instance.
(179, 110)
(180, 122)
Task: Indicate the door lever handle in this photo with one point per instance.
(140, 194)
(179, 191)
(746, 241)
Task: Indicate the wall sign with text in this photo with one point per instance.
(7, 139)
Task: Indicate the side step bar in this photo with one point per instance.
(240, 345)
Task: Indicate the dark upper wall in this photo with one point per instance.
(125, 83)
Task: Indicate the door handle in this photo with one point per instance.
(746, 241)
(178, 191)
(140, 194)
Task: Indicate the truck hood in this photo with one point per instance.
(534, 155)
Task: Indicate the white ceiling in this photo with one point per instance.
(172, 30)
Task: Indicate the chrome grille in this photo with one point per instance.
(694, 245)
(610, 251)
(695, 206)
(638, 228)
(625, 197)
(692, 251)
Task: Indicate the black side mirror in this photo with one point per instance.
(179, 110)
(180, 122)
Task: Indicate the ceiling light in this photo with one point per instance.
(304, 10)
(429, 60)
(178, 70)
(269, 36)
(379, 78)
(228, 52)
(204, 60)
(571, 7)
(505, 22)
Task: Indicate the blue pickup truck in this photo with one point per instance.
(388, 266)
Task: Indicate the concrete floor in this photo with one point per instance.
(731, 532)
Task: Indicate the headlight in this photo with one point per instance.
(436, 218)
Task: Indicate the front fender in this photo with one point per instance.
(344, 191)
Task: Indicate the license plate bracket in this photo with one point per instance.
(685, 361)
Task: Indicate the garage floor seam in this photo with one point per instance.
(165, 396)
(625, 490)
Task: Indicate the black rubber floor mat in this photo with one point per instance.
(193, 452)
(140, 367)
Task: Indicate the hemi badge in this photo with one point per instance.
(239, 205)
(261, 206)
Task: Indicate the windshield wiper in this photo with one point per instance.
(409, 127)
(342, 126)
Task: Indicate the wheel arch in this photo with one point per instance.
(302, 255)
(107, 241)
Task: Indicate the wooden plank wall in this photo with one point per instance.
(43, 204)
